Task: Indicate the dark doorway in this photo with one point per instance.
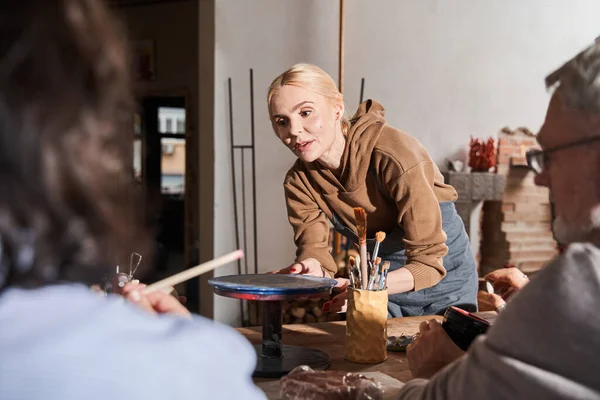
(159, 161)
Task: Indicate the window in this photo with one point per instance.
(173, 183)
(173, 165)
(171, 120)
(137, 146)
(137, 158)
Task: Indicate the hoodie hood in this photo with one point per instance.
(363, 135)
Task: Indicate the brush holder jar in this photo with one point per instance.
(366, 326)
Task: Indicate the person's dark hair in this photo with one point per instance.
(66, 193)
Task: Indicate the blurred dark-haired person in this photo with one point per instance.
(66, 212)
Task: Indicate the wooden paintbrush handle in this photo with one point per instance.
(364, 266)
(193, 272)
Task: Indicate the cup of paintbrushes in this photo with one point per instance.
(366, 326)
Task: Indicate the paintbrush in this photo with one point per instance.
(356, 267)
(379, 237)
(193, 272)
(384, 271)
(361, 227)
(374, 273)
(350, 271)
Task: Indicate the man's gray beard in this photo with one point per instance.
(566, 233)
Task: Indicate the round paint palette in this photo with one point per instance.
(267, 285)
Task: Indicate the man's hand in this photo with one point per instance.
(490, 301)
(507, 281)
(431, 350)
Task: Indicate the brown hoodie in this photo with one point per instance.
(414, 187)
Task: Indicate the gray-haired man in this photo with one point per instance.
(546, 344)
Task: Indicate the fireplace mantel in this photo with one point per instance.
(472, 188)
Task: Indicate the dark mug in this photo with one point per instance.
(463, 327)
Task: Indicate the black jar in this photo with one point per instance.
(463, 327)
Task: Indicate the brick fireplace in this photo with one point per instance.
(516, 230)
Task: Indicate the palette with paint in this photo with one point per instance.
(274, 358)
(266, 287)
(399, 343)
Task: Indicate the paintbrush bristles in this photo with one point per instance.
(379, 237)
(350, 274)
(377, 261)
(385, 266)
(361, 229)
(360, 215)
(384, 272)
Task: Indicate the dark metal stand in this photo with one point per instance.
(243, 150)
(271, 345)
(275, 359)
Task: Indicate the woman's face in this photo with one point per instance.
(305, 121)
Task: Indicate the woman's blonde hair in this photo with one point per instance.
(313, 78)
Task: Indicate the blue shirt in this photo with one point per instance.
(64, 342)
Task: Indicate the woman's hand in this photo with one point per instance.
(157, 302)
(170, 290)
(431, 350)
(507, 281)
(309, 266)
(340, 302)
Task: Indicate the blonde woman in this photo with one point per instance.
(364, 162)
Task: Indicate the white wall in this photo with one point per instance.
(444, 70)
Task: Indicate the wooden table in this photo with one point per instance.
(329, 337)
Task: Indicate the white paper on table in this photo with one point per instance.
(391, 386)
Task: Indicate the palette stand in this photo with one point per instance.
(275, 359)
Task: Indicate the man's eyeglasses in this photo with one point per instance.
(537, 159)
